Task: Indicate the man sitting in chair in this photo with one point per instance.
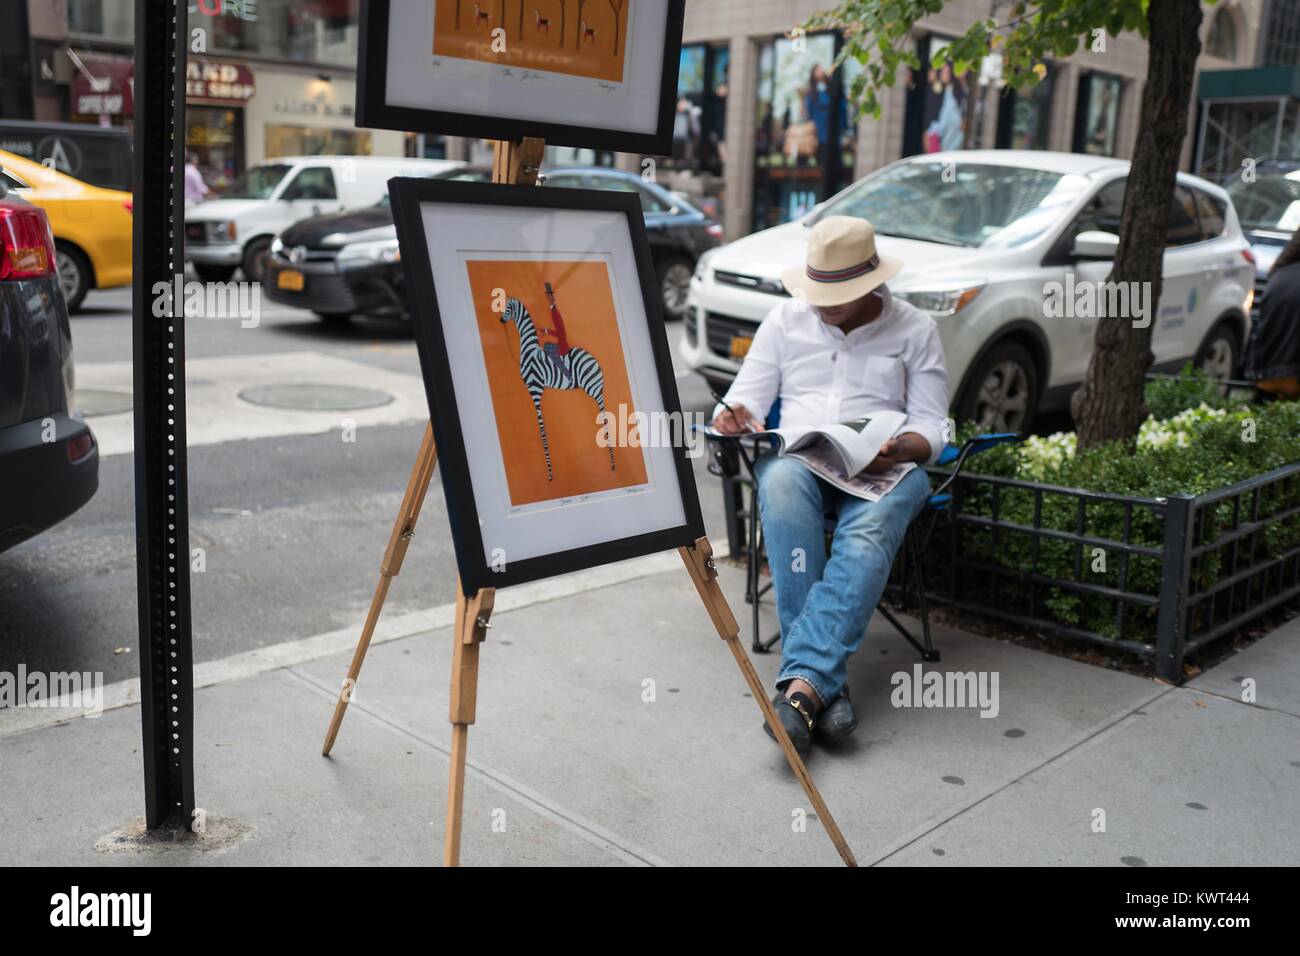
(840, 348)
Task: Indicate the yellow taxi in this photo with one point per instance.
(91, 226)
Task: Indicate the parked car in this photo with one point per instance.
(235, 230)
(49, 462)
(349, 264)
(92, 226)
(1269, 209)
(984, 234)
(98, 155)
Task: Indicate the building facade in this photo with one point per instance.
(764, 128)
(265, 78)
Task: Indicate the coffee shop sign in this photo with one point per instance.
(210, 80)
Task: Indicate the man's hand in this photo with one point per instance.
(736, 420)
(898, 450)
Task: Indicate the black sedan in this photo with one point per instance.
(349, 263)
(49, 462)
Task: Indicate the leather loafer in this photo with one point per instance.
(796, 724)
(838, 720)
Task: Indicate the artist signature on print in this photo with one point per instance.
(519, 76)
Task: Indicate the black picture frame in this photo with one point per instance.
(373, 110)
(408, 197)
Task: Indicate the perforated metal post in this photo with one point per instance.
(158, 350)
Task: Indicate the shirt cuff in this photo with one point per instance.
(932, 432)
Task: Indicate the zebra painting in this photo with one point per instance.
(576, 369)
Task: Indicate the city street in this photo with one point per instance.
(292, 523)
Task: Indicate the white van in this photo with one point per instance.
(236, 230)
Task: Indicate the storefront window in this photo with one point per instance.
(1097, 114)
(700, 123)
(215, 135)
(304, 31)
(805, 139)
(936, 104)
(315, 141)
(102, 19)
(1024, 119)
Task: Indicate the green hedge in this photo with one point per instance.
(1195, 441)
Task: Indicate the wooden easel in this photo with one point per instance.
(518, 163)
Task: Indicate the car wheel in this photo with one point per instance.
(1217, 357)
(335, 318)
(255, 256)
(214, 273)
(674, 285)
(1002, 394)
(74, 274)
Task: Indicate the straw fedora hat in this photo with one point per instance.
(842, 263)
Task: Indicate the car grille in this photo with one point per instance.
(308, 255)
(196, 234)
(752, 283)
(721, 328)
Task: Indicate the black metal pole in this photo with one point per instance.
(158, 351)
(1171, 619)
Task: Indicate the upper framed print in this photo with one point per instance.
(538, 323)
(600, 74)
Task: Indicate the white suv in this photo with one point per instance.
(1002, 248)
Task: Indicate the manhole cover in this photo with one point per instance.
(309, 397)
(101, 401)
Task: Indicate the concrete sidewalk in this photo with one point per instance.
(574, 767)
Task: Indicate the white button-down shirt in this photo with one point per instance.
(824, 376)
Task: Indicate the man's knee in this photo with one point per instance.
(785, 484)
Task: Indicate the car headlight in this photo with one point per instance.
(219, 231)
(948, 300)
(385, 250)
(277, 246)
(702, 264)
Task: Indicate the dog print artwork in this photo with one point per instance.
(557, 376)
(583, 38)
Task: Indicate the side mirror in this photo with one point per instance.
(1095, 245)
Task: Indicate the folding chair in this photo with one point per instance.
(729, 454)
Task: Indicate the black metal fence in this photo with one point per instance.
(1158, 577)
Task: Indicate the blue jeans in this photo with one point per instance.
(825, 603)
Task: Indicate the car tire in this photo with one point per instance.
(1220, 353)
(75, 276)
(214, 273)
(255, 255)
(674, 285)
(1001, 394)
(335, 318)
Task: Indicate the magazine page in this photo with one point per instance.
(857, 442)
(823, 461)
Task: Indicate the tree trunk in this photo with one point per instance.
(1110, 405)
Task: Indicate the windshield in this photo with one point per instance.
(1269, 203)
(960, 204)
(257, 183)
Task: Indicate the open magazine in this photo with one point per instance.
(839, 452)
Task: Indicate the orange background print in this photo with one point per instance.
(586, 303)
(573, 51)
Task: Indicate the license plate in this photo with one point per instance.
(291, 280)
(740, 345)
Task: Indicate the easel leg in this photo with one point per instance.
(699, 562)
(403, 531)
(473, 616)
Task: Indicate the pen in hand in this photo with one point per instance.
(749, 420)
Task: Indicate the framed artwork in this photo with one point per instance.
(600, 74)
(549, 377)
